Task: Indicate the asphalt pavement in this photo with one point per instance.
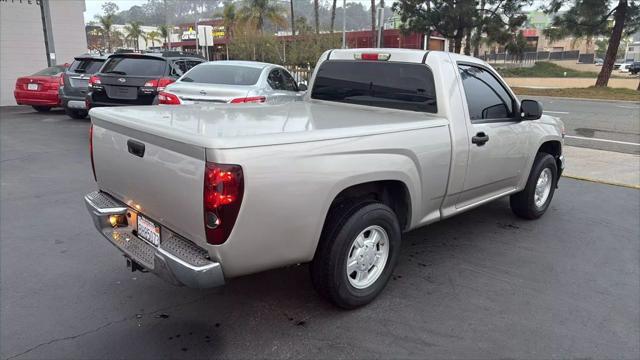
(483, 285)
(597, 124)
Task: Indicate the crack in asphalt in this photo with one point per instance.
(72, 337)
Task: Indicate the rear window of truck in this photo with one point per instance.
(86, 66)
(382, 84)
(135, 66)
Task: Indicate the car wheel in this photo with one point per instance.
(357, 253)
(76, 113)
(533, 201)
(42, 108)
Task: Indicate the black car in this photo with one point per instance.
(74, 84)
(634, 68)
(136, 79)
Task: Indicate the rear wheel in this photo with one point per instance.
(356, 254)
(76, 113)
(533, 201)
(42, 108)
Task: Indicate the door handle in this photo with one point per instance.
(135, 147)
(480, 139)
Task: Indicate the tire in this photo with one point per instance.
(76, 113)
(337, 245)
(524, 204)
(41, 108)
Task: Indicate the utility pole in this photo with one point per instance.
(380, 26)
(344, 24)
(48, 32)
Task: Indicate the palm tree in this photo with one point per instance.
(106, 25)
(153, 36)
(228, 19)
(257, 11)
(163, 30)
(134, 33)
(316, 15)
(333, 15)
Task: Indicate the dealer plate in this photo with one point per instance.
(148, 230)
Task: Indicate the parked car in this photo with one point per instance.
(624, 67)
(40, 90)
(75, 79)
(598, 61)
(136, 79)
(386, 140)
(634, 68)
(233, 82)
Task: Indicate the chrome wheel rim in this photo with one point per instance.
(543, 187)
(367, 257)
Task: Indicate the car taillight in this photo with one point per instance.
(166, 98)
(222, 196)
(372, 56)
(251, 99)
(160, 84)
(94, 80)
(93, 166)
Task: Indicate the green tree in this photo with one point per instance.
(106, 27)
(163, 30)
(228, 18)
(153, 36)
(110, 8)
(133, 33)
(256, 12)
(590, 17)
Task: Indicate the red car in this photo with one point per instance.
(40, 90)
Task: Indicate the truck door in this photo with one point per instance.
(498, 150)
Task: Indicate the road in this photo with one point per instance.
(604, 125)
(481, 285)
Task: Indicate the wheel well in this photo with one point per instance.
(553, 148)
(392, 193)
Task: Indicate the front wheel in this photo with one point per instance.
(357, 253)
(533, 201)
(41, 108)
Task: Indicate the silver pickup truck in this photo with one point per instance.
(385, 141)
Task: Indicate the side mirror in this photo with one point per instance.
(302, 87)
(530, 110)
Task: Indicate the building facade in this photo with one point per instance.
(22, 39)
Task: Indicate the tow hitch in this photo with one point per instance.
(134, 266)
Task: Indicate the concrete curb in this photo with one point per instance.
(581, 99)
(597, 181)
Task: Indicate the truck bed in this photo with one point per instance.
(225, 126)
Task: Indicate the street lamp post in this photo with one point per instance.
(344, 24)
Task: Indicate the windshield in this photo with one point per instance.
(223, 74)
(86, 66)
(382, 84)
(136, 66)
(50, 71)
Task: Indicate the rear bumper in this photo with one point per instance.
(176, 260)
(38, 98)
(73, 102)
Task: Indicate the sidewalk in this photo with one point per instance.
(602, 166)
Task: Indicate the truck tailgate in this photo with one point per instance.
(164, 183)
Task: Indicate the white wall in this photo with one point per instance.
(22, 50)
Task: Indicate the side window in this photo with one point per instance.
(176, 68)
(289, 83)
(486, 97)
(275, 80)
(190, 63)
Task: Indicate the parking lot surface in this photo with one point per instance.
(481, 285)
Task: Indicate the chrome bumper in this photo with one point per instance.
(177, 260)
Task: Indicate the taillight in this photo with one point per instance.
(94, 80)
(93, 166)
(251, 99)
(166, 98)
(223, 191)
(160, 84)
(372, 56)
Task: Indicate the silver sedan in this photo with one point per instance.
(233, 82)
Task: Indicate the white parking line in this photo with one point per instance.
(555, 112)
(601, 140)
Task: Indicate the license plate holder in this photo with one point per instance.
(32, 87)
(148, 230)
